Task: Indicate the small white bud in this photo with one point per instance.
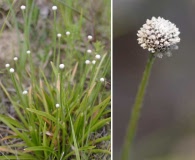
(102, 79)
(87, 62)
(89, 37)
(94, 61)
(11, 70)
(28, 52)
(24, 92)
(54, 8)
(89, 51)
(23, 7)
(67, 33)
(15, 58)
(97, 56)
(61, 66)
(59, 35)
(57, 105)
(7, 65)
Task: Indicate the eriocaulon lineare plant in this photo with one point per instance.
(159, 36)
(61, 109)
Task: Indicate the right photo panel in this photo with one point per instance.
(153, 80)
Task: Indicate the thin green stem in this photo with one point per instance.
(54, 39)
(132, 127)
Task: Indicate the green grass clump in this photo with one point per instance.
(60, 112)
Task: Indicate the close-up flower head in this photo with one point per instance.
(159, 36)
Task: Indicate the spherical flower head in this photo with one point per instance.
(54, 8)
(97, 56)
(67, 33)
(11, 70)
(28, 52)
(94, 61)
(25, 92)
(57, 105)
(61, 66)
(59, 35)
(102, 79)
(7, 65)
(89, 51)
(15, 58)
(23, 7)
(89, 37)
(87, 62)
(159, 36)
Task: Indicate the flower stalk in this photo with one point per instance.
(136, 110)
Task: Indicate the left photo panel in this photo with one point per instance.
(55, 79)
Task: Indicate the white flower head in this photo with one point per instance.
(159, 36)
(54, 8)
(25, 92)
(67, 33)
(23, 7)
(28, 52)
(11, 70)
(7, 65)
(102, 79)
(57, 105)
(15, 58)
(59, 35)
(90, 37)
(97, 56)
(89, 51)
(87, 62)
(61, 66)
(94, 61)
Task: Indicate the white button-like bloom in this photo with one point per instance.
(90, 37)
(67, 33)
(159, 36)
(28, 52)
(25, 92)
(87, 62)
(11, 70)
(7, 65)
(61, 66)
(23, 7)
(54, 8)
(89, 51)
(97, 56)
(59, 35)
(15, 58)
(57, 105)
(102, 79)
(94, 61)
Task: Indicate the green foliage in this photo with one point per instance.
(39, 129)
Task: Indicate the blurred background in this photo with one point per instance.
(167, 125)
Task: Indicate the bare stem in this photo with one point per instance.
(136, 110)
